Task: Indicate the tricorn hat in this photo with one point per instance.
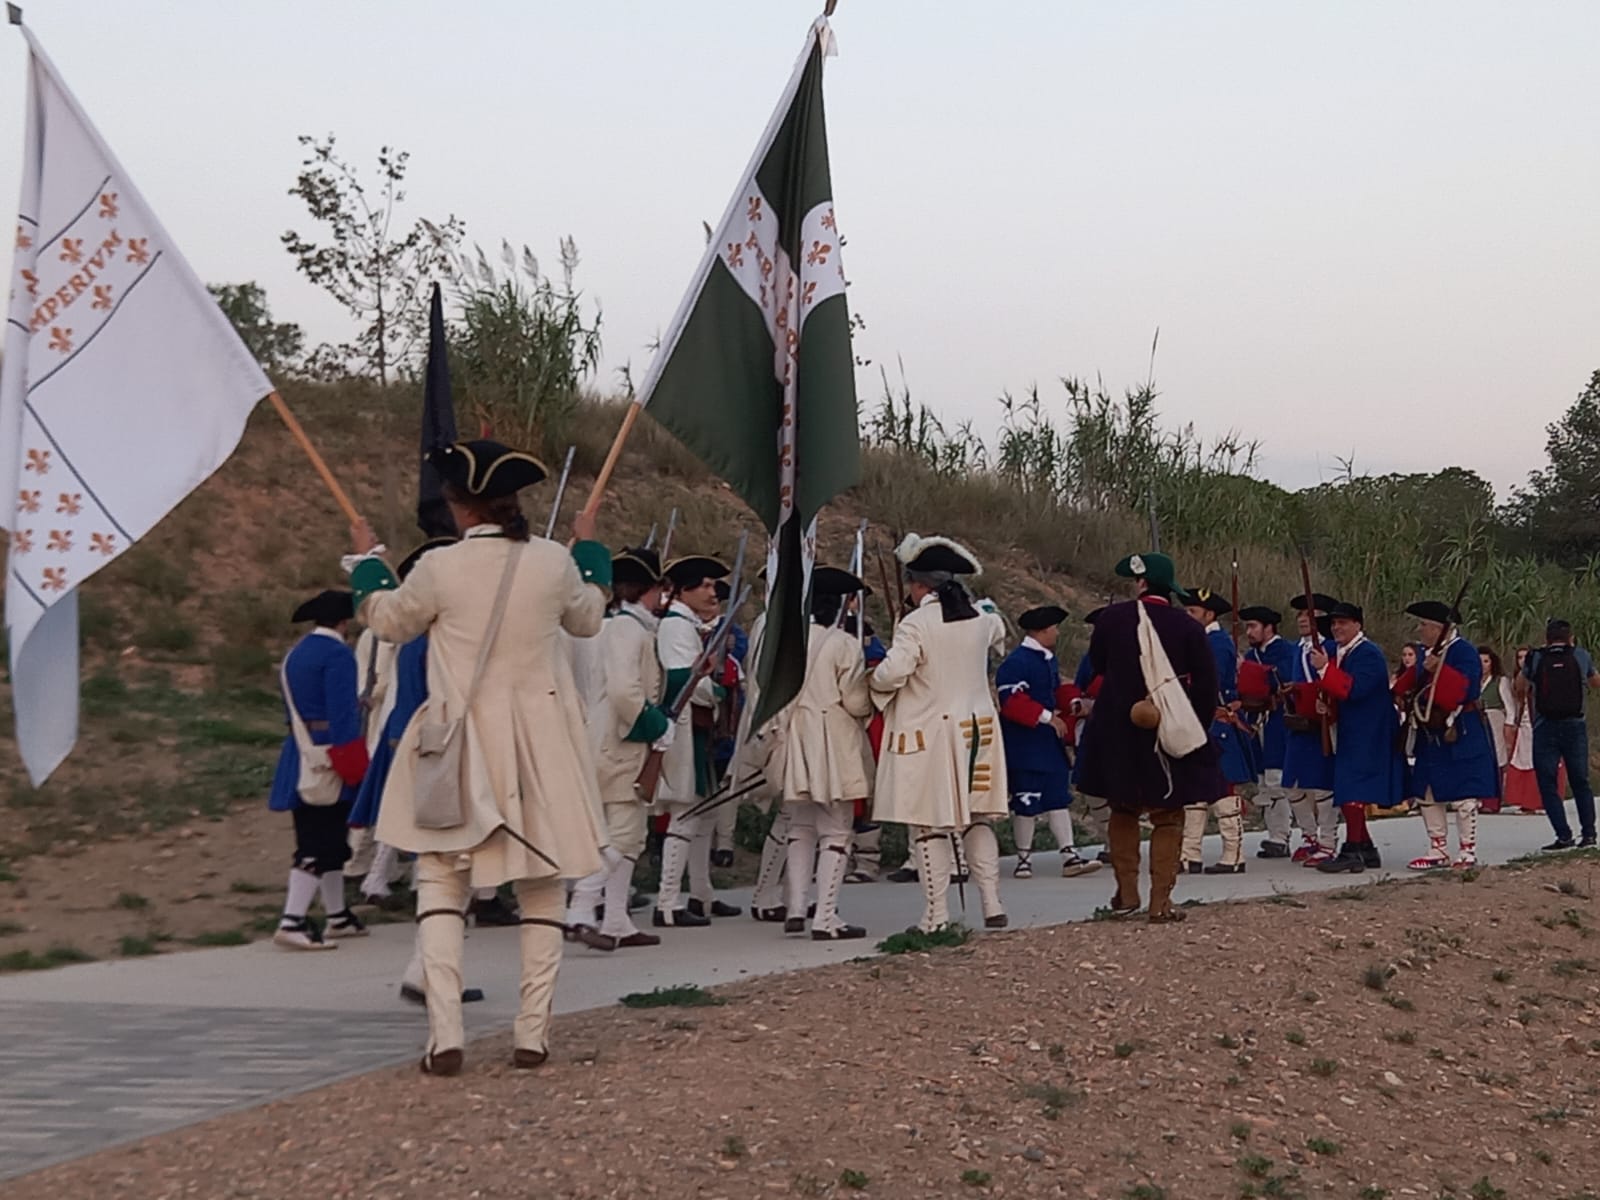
(694, 569)
(1211, 601)
(327, 608)
(832, 581)
(487, 468)
(1323, 602)
(1433, 610)
(409, 562)
(1043, 617)
(1155, 568)
(1350, 612)
(1093, 615)
(1260, 612)
(935, 554)
(636, 565)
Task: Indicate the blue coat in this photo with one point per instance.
(1465, 769)
(1239, 761)
(1304, 764)
(410, 690)
(1037, 770)
(321, 674)
(1366, 763)
(1278, 656)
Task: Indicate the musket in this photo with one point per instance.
(666, 540)
(1235, 600)
(894, 610)
(649, 777)
(561, 490)
(1316, 640)
(727, 794)
(1454, 616)
(858, 557)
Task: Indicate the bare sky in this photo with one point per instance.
(1363, 226)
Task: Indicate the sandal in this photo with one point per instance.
(442, 1062)
(1170, 916)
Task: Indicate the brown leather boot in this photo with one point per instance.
(1122, 837)
(1166, 848)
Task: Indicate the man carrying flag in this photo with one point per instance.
(124, 387)
(756, 374)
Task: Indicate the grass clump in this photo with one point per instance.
(1239, 1131)
(221, 937)
(684, 995)
(1256, 1166)
(1376, 978)
(1227, 1041)
(59, 955)
(1502, 975)
(975, 1178)
(1399, 1002)
(1400, 1037)
(1324, 1068)
(854, 1180)
(1484, 1190)
(136, 947)
(1053, 1098)
(1295, 1037)
(1145, 1191)
(131, 901)
(915, 941)
(1323, 1146)
(734, 1147)
(7, 928)
(1123, 1049)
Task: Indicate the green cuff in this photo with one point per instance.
(594, 562)
(371, 575)
(677, 678)
(652, 723)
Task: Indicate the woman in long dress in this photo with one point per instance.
(530, 801)
(1495, 701)
(1521, 789)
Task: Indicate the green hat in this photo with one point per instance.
(1154, 568)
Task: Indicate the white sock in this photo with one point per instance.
(332, 893)
(302, 890)
(1022, 833)
(1061, 826)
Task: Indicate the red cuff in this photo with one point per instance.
(1451, 691)
(1337, 683)
(1405, 682)
(349, 760)
(1021, 709)
(1094, 687)
(730, 673)
(1065, 695)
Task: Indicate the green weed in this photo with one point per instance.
(684, 995)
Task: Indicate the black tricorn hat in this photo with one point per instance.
(1043, 617)
(1260, 612)
(1093, 615)
(1350, 612)
(1211, 601)
(694, 569)
(1433, 610)
(834, 581)
(1323, 602)
(487, 468)
(930, 554)
(409, 562)
(636, 565)
(327, 608)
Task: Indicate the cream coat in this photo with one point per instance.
(758, 750)
(678, 644)
(375, 668)
(933, 687)
(529, 762)
(827, 755)
(632, 679)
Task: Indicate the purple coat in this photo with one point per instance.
(1117, 759)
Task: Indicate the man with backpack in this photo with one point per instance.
(1553, 680)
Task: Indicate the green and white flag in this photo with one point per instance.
(756, 375)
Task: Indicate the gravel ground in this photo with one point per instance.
(1433, 1040)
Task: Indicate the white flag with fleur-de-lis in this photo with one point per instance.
(123, 387)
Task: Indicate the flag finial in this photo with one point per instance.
(827, 9)
(14, 14)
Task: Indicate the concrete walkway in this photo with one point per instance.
(108, 1052)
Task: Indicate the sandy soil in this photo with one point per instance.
(1433, 1039)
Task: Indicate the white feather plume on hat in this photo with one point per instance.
(912, 545)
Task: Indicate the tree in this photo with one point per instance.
(1559, 509)
(276, 345)
(379, 276)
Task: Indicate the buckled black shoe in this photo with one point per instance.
(722, 858)
(839, 934)
(769, 914)
(1272, 850)
(1347, 861)
(795, 925)
(902, 875)
(679, 918)
(1223, 869)
(1369, 855)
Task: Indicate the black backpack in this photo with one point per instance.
(1558, 684)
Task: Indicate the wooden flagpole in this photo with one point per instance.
(592, 506)
(317, 461)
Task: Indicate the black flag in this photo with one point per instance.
(438, 425)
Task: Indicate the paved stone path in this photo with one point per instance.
(108, 1052)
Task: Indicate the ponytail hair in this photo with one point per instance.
(504, 511)
(954, 601)
(825, 609)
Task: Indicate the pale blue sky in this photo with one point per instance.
(1361, 226)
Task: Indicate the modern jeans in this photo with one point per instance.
(1555, 742)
